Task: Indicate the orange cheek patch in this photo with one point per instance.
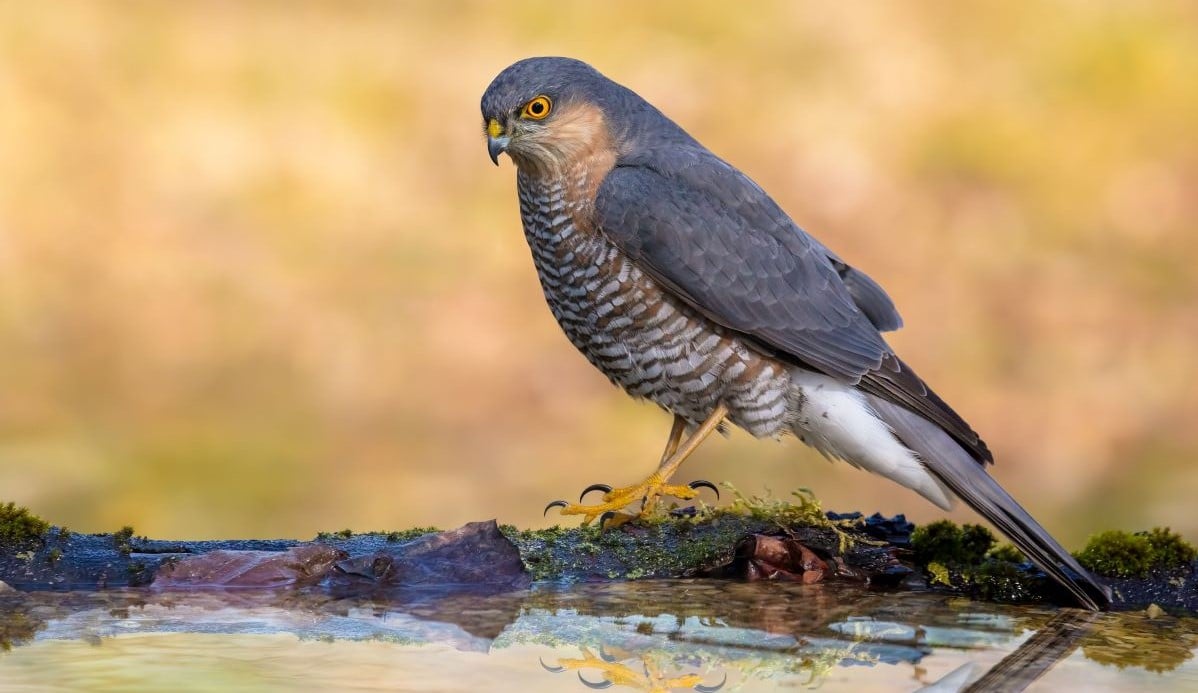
(582, 126)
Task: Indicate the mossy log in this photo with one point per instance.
(752, 539)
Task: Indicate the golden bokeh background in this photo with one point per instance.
(258, 278)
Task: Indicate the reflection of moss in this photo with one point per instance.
(20, 528)
(1121, 554)
(17, 628)
(1135, 641)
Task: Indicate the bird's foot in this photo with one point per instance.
(645, 675)
(616, 499)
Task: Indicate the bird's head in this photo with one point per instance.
(546, 112)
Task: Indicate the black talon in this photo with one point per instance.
(552, 670)
(597, 686)
(605, 517)
(594, 487)
(712, 689)
(605, 656)
(703, 483)
(555, 504)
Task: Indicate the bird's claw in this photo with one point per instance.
(700, 688)
(615, 499)
(594, 487)
(607, 489)
(605, 683)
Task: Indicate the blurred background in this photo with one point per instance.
(258, 277)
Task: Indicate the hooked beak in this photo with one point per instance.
(497, 146)
(497, 142)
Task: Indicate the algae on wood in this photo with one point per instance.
(683, 543)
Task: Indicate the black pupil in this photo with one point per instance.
(537, 107)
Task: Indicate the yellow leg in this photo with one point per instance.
(620, 674)
(615, 672)
(655, 485)
(676, 432)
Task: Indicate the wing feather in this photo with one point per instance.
(712, 237)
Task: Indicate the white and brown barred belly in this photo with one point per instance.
(641, 337)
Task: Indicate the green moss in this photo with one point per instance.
(665, 548)
(1007, 553)
(20, 528)
(804, 511)
(967, 558)
(121, 540)
(53, 555)
(1001, 580)
(670, 546)
(139, 574)
(410, 534)
(950, 544)
(976, 542)
(1169, 550)
(339, 534)
(1120, 554)
(398, 536)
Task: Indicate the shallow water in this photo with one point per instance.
(647, 636)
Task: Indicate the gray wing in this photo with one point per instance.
(716, 240)
(870, 298)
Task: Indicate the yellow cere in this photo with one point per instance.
(494, 129)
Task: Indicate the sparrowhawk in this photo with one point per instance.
(684, 283)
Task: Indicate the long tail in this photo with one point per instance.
(953, 466)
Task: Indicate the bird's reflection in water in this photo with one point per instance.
(646, 635)
(858, 641)
(646, 672)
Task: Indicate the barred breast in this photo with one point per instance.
(642, 338)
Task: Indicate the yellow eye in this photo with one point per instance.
(537, 109)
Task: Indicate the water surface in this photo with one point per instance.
(648, 636)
